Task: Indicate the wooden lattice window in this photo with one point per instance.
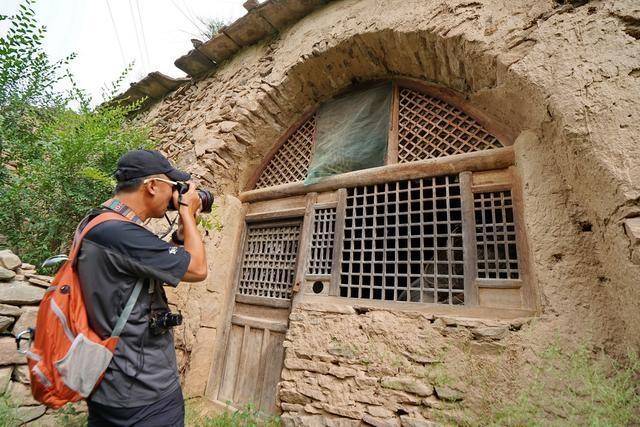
(403, 242)
(321, 251)
(429, 127)
(291, 162)
(269, 260)
(496, 236)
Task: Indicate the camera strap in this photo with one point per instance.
(128, 308)
(124, 210)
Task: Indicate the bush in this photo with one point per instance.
(57, 161)
(573, 388)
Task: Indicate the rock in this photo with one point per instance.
(378, 422)
(20, 394)
(486, 348)
(26, 320)
(5, 378)
(27, 414)
(407, 384)
(448, 394)
(341, 350)
(8, 353)
(292, 396)
(9, 260)
(21, 374)
(632, 229)
(10, 310)
(323, 307)
(26, 266)
(5, 322)
(344, 411)
(381, 371)
(466, 322)
(407, 421)
(39, 282)
(423, 360)
(20, 293)
(306, 365)
(312, 392)
(364, 381)
(403, 397)
(6, 274)
(342, 371)
(380, 411)
(311, 409)
(208, 145)
(227, 126)
(291, 407)
(490, 333)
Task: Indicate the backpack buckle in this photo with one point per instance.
(27, 335)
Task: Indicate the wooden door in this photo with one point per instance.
(254, 354)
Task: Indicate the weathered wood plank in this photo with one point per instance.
(470, 252)
(476, 161)
(256, 322)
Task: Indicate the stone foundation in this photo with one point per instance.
(21, 290)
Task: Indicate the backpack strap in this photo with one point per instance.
(99, 219)
(128, 308)
(75, 248)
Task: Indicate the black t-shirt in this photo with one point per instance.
(113, 257)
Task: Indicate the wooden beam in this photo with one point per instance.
(276, 214)
(392, 145)
(259, 323)
(263, 301)
(469, 248)
(336, 267)
(499, 283)
(224, 327)
(496, 158)
(305, 242)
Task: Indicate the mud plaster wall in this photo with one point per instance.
(566, 83)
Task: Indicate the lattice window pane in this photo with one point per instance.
(269, 260)
(321, 251)
(496, 236)
(403, 242)
(429, 127)
(291, 162)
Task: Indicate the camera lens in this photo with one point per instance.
(205, 197)
(207, 200)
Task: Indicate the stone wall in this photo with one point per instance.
(389, 368)
(563, 80)
(21, 290)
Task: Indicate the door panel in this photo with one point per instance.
(254, 354)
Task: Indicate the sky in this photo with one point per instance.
(107, 35)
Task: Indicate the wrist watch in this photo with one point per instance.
(175, 239)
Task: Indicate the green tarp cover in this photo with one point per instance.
(351, 133)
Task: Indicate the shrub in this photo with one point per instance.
(57, 161)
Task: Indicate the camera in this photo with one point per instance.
(162, 320)
(205, 197)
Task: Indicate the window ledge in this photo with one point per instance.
(339, 305)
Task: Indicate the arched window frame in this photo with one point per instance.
(488, 171)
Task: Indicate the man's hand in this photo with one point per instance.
(188, 209)
(190, 200)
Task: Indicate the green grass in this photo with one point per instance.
(8, 414)
(249, 416)
(573, 388)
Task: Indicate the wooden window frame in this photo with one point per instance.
(479, 171)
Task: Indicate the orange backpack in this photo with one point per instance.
(66, 358)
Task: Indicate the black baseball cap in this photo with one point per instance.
(139, 163)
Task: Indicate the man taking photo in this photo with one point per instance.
(141, 386)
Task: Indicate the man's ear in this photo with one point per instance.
(150, 187)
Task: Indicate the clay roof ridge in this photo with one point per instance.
(262, 20)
